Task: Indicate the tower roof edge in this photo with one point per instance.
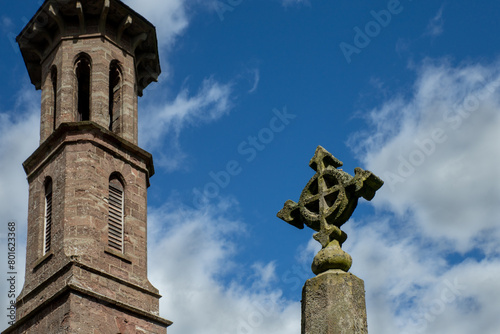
(113, 19)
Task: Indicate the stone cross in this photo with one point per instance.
(326, 203)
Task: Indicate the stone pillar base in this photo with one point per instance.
(334, 303)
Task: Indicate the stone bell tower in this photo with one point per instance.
(86, 259)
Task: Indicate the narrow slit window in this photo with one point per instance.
(53, 76)
(83, 79)
(114, 96)
(48, 218)
(115, 215)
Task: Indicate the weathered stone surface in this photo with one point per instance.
(102, 51)
(88, 21)
(326, 203)
(334, 303)
(80, 157)
(73, 311)
(331, 257)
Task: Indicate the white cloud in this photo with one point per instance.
(256, 79)
(168, 16)
(437, 151)
(264, 274)
(163, 119)
(411, 288)
(17, 142)
(435, 27)
(193, 280)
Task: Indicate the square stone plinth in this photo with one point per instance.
(334, 303)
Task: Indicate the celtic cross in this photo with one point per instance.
(326, 203)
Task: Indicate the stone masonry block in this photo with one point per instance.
(334, 303)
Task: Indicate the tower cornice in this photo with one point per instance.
(111, 19)
(78, 132)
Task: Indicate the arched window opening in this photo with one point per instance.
(53, 77)
(115, 83)
(47, 228)
(115, 214)
(83, 78)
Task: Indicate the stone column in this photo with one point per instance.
(334, 303)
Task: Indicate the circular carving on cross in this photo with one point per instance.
(322, 197)
(326, 203)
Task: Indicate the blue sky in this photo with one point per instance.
(407, 89)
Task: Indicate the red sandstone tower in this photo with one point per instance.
(86, 259)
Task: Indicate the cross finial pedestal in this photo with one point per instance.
(333, 302)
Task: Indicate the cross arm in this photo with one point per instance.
(291, 214)
(366, 183)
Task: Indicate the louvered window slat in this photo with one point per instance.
(116, 237)
(114, 196)
(114, 208)
(114, 244)
(114, 199)
(115, 221)
(114, 214)
(114, 224)
(48, 221)
(115, 218)
(116, 229)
